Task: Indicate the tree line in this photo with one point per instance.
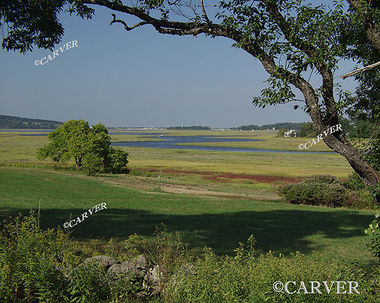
(199, 127)
(286, 125)
(11, 122)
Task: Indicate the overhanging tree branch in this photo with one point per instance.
(125, 24)
(311, 52)
(353, 73)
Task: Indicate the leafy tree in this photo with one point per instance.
(307, 130)
(292, 39)
(116, 160)
(88, 146)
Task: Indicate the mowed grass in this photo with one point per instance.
(219, 223)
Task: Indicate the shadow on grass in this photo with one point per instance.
(282, 231)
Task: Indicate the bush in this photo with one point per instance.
(360, 199)
(323, 179)
(316, 190)
(328, 191)
(354, 182)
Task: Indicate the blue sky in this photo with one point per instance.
(139, 78)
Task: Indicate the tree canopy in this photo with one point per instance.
(295, 40)
(307, 130)
(88, 146)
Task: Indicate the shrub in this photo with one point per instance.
(360, 199)
(324, 179)
(316, 190)
(354, 182)
(329, 191)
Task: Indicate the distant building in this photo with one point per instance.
(291, 133)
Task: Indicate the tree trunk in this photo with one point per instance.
(342, 146)
(78, 162)
(339, 143)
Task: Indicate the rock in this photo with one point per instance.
(104, 261)
(153, 280)
(137, 266)
(118, 269)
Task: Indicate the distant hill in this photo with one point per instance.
(25, 123)
(286, 125)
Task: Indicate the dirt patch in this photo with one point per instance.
(179, 189)
(224, 177)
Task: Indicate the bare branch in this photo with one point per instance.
(125, 24)
(368, 67)
(204, 12)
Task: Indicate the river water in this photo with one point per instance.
(171, 142)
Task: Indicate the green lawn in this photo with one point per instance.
(216, 222)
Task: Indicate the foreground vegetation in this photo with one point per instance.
(42, 266)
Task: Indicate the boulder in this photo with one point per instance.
(153, 280)
(104, 261)
(137, 266)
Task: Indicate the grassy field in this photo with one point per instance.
(191, 192)
(15, 148)
(213, 221)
